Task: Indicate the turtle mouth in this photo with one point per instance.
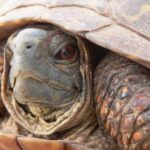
(47, 113)
(34, 111)
(31, 99)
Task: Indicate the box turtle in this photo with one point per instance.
(76, 75)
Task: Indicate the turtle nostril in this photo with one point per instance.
(29, 46)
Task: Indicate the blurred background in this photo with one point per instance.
(2, 2)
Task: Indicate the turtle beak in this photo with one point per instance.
(29, 90)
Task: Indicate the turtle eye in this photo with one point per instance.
(67, 53)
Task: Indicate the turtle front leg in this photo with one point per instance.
(122, 94)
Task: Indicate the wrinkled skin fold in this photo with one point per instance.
(48, 89)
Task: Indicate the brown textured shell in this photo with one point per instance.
(121, 26)
(12, 142)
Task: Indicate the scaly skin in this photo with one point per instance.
(123, 101)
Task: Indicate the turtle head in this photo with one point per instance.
(44, 68)
(44, 77)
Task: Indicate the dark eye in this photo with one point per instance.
(67, 53)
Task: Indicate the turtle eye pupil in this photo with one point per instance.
(67, 53)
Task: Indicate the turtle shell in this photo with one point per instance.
(121, 26)
(23, 143)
